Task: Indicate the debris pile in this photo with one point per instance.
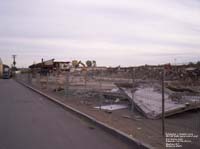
(148, 99)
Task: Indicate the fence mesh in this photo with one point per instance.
(137, 92)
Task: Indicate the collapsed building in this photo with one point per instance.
(51, 65)
(144, 93)
(147, 98)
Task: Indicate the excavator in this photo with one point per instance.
(84, 67)
(77, 64)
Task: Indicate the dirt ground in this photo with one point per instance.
(132, 123)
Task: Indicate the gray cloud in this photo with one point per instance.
(109, 31)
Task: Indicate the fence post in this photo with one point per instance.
(29, 77)
(67, 84)
(132, 102)
(163, 103)
(100, 81)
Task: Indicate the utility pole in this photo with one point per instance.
(13, 69)
(14, 61)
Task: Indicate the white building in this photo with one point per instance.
(1, 68)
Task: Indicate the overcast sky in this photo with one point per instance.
(112, 32)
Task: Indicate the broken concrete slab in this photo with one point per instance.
(148, 100)
(112, 107)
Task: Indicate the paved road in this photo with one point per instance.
(29, 121)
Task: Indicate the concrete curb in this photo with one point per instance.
(119, 134)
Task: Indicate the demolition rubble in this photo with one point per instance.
(126, 98)
(139, 86)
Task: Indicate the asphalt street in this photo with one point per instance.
(29, 121)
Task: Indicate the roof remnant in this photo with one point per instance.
(147, 99)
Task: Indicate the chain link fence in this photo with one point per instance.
(140, 89)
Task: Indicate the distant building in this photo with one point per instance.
(1, 68)
(51, 65)
(60, 65)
